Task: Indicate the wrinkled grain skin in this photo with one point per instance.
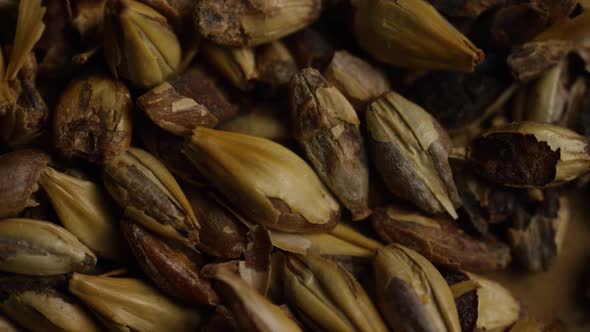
(173, 268)
(513, 158)
(93, 119)
(189, 100)
(251, 23)
(19, 173)
(327, 127)
(129, 178)
(440, 240)
(25, 120)
(222, 234)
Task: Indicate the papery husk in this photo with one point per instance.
(42, 308)
(341, 241)
(92, 119)
(328, 129)
(142, 185)
(328, 295)
(255, 269)
(530, 154)
(35, 247)
(84, 209)
(252, 310)
(357, 79)
(29, 29)
(253, 22)
(412, 34)
(412, 294)
(497, 307)
(236, 64)
(129, 304)
(410, 150)
(265, 181)
(139, 44)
